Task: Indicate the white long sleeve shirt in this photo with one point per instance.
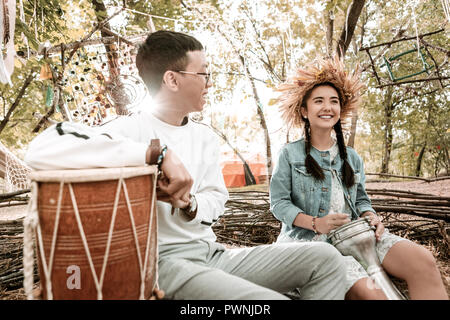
(123, 142)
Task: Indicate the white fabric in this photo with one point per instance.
(7, 65)
(3, 73)
(11, 51)
(194, 143)
(52, 151)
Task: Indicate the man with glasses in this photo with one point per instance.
(207, 75)
(192, 196)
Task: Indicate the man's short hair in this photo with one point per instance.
(163, 50)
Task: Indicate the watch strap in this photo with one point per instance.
(155, 149)
(191, 210)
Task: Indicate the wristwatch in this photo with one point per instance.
(191, 210)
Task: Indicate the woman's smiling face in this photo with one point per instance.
(323, 108)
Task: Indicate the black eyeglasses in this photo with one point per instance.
(207, 75)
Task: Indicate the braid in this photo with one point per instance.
(347, 171)
(307, 136)
(312, 166)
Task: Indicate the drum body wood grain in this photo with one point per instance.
(103, 242)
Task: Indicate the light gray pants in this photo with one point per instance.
(208, 271)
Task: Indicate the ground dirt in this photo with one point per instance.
(439, 188)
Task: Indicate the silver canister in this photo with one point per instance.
(357, 239)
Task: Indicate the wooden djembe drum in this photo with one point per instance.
(95, 233)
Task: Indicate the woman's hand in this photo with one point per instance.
(331, 221)
(376, 222)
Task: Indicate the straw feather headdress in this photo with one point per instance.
(320, 71)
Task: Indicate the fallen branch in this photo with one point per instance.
(13, 194)
(421, 213)
(408, 177)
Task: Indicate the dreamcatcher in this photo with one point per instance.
(96, 95)
(126, 90)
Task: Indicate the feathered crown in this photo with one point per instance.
(321, 70)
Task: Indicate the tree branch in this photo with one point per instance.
(349, 27)
(412, 81)
(402, 39)
(25, 85)
(408, 177)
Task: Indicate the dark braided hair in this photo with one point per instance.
(312, 167)
(347, 171)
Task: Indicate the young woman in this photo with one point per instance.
(318, 183)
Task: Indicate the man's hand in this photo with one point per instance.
(163, 196)
(331, 221)
(176, 184)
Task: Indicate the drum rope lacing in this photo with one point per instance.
(31, 224)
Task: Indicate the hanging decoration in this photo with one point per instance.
(46, 72)
(125, 90)
(394, 80)
(94, 83)
(446, 6)
(92, 92)
(49, 96)
(7, 27)
(388, 63)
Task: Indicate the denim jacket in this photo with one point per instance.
(294, 191)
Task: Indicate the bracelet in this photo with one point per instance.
(161, 156)
(313, 222)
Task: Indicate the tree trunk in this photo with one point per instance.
(17, 101)
(249, 177)
(446, 161)
(342, 46)
(255, 92)
(2, 164)
(422, 151)
(262, 120)
(120, 96)
(388, 137)
(419, 160)
(351, 139)
(330, 28)
(349, 27)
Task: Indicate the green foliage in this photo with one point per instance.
(274, 37)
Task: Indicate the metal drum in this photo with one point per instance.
(357, 239)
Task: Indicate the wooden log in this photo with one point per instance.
(414, 202)
(411, 196)
(13, 194)
(440, 216)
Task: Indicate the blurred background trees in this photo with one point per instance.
(252, 46)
